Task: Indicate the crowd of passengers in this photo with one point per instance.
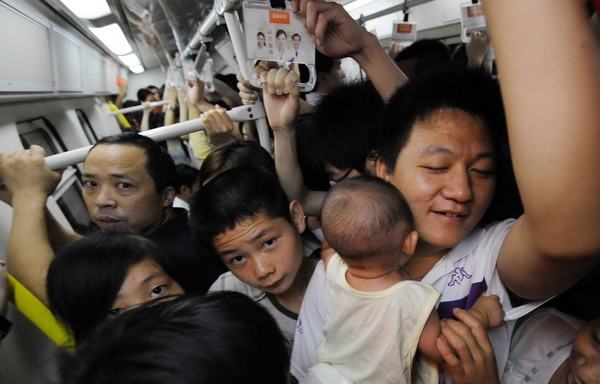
(434, 224)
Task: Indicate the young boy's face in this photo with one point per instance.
(263, 252)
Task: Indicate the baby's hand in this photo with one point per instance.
(489, 311)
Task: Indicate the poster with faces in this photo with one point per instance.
(276, 34)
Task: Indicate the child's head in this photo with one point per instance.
(103, 273)
(222, 337)
(366, 219)
(244, 216)
(235, 154)
(188, 181)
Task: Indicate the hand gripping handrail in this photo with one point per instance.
(237, 114)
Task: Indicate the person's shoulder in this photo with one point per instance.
(228, 282)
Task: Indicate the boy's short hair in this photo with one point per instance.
(233, 197)
(186, 175)
(429, 54)
(344, 125)
(470, 90)
(359, 215)
(223, 337)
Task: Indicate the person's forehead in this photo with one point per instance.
(249, 230)
(116, 156)
(449, 123)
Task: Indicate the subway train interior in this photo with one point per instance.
(65, 60)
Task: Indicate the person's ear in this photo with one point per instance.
(410, 243)
(168, 195)
(297, 214)
(383, 172)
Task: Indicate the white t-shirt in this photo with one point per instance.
(372, 337)
(541, 343)
(286, 319)
(461, 276)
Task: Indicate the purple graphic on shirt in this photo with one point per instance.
(458, 276)
(445, 307)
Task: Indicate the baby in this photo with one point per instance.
(378, 317)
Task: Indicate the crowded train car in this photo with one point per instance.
(395, 191)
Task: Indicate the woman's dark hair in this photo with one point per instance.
(223, 337)
(85, 277)
(235, 154)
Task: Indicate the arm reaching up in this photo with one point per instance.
(29, 249)
(338, 35)
(281, 98)
(551, 101)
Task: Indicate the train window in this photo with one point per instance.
(68, 194)
(86, 126)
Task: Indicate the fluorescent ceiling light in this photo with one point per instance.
(113, 37)
(136, 69)
(130, 60)
(356, 4)
(88, 9)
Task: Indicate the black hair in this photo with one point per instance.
(84, 278)
(469, 90)
(186, 175)
(233, 197)
(429, 55)
(134, 118)
(358, 217)
(280, 32)
(233, 154)
(143, 93)
(260, 34)
(294, 35)
(159, 164)
(344, 124)
(152, 87)
(310, 161)
(223, 337)
(323, 64)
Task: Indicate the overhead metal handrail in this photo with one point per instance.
(139, 107)
(237, 114)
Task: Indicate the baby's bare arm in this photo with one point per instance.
(488, 310)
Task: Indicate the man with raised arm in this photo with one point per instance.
(443, 160)
(128, 183)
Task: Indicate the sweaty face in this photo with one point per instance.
(583, 365)
(446, 172)
(265, 253)
(144, 281)
(119, 192)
